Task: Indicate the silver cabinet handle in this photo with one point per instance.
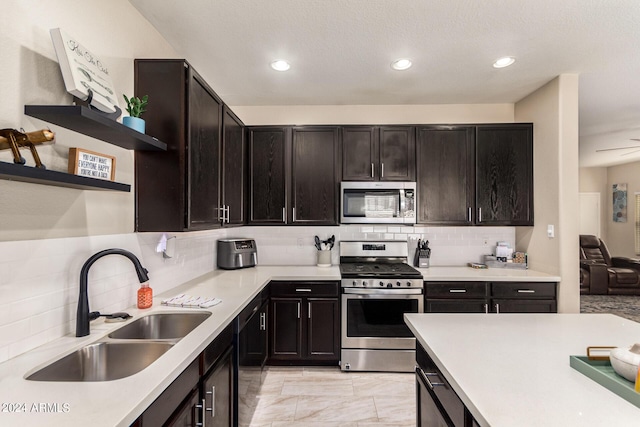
(294, 214)
(469, 213)
(497, 308)
(228, 214)
(457, 291)
(213, 401)
(303, 290)
(372, 170)
(526, 291)
(284, 214)
(381, 170)
(486, 308)
(309, 310)
(202, 408)
(263, 321)
(298, 310)
(479, 214)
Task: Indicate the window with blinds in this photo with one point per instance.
(637, 223)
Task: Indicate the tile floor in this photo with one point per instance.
(327, 397)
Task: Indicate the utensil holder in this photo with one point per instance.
(324, 258)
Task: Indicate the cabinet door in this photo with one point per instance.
(455, 306)
(286, 330)
(234, 168)
(205, 111)
(524, 306)
(314, 176)
(504, 174)
(397, 153)
(217, 393)
(267, 169)
(253, 340)
(359, 153)
(323, 329)
(189, 413)
(445, 179)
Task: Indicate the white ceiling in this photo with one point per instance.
(340, 53)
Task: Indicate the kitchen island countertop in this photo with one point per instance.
(513, 369)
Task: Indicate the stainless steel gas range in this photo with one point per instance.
(378, 287)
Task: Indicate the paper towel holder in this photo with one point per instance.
(166, 245)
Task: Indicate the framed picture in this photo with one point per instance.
(84, 72)
(620, 202)
(91, 164)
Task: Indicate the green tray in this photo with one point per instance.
(602, 372)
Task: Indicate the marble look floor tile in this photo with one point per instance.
(312, 424)
(322, 371)
(391, 409)
(273, 408)
(375, 385)
(411, 424)
(318, 386)
(333, 409)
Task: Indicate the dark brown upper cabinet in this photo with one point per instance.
(378, 153)
(293, 175)
(475, 175)
(234, 170)
(178, 189)
(267, 182)
(504, 174)
(313, 178)
(445, 174)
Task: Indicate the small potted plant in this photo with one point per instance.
(135, 107)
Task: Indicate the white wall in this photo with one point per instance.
(117, 33)
(594, 180)
(553, 109)
(620, 235)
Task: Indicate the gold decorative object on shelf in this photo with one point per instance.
(15, 139)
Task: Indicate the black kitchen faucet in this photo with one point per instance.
(83, 316)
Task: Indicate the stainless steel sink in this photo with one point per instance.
(161, 326)
(103, 361)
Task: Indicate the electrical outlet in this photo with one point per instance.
(300, 242)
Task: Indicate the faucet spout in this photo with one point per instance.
(83, 316)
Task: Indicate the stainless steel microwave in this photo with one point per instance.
(377, 202)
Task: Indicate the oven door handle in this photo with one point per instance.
(404, 291)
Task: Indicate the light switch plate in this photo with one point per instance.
(551, 231)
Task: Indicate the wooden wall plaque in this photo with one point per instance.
(91, 164)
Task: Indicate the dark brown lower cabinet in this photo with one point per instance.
(305, 323)
(202, 394)
(438, 405)
(493, 297)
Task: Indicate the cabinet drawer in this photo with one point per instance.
(301, 289)
(523, 290)
(456, 290)
(446, 397)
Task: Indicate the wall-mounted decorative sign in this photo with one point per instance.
(85, 75)
(620, 202)
(91, 164)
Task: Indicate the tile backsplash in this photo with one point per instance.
(40, 278)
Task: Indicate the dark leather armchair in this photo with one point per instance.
(602, 274)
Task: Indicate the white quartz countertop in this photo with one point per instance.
(120, 402)
(513, 369)
(434, 274)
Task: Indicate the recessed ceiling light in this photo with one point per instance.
(504, 62)
(280, 65)
(401, 64)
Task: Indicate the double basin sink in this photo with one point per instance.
(125, 351)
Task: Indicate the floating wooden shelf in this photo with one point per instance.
(91, 123)
(34, 175)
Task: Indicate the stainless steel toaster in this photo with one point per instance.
(237, 253)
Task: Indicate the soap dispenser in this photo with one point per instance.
(145, 296)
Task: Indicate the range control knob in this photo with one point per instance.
(389, 285)
(408, 283)
(355, 283)
(381, 283)
(398, 284)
